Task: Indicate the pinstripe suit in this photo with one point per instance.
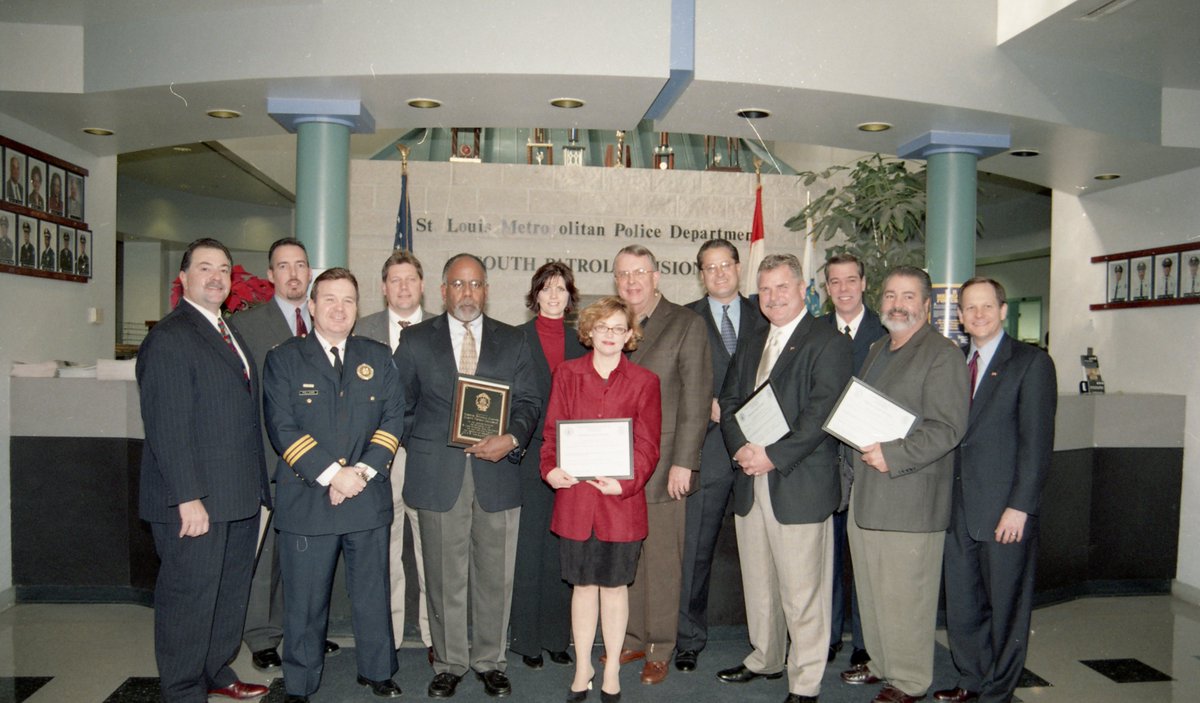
(202, 442)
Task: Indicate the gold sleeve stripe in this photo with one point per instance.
(386, 440)
(298, 449)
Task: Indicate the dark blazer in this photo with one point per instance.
(201, 422)
(1004, 456)
(675, 348)
(315, 419)
(572, 349)
(812, 369)
(927, 375)
(262, 326)
(375, 325)
(434, 471)
(714, 458)
(869, 330)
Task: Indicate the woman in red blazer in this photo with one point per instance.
(602, 521)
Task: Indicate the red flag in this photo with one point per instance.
(757, 247)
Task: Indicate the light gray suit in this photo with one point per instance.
(898, 519)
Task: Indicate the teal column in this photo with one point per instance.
(322, 129)
(951, 185)
(322, 192)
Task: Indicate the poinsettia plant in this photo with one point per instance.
(246, 291)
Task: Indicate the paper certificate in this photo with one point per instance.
(593, 448)
(864, 416)
(760, 417)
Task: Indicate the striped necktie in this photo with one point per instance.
(728, 336)
(229, 342)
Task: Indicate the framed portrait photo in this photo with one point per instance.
(27, 242)
(1141, 278)
(35, 188)
(66, 249)
(83, 253)
(8, 238)
(1166, 276)
(14, 176)
(1189, 274)
(56, 190)
(1117, 290)
(74, 196)
(47, 248)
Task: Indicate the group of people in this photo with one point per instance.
(356, 415)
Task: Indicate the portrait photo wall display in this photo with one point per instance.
(42, 230)
(1168, 275)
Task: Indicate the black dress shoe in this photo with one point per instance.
(495, 683)
(560, 658)
(833, 651)
(797, 698)
(443, 685)
(331, 648)
(740, 674)
(685, 659)
(606, 697)
(265, 659)
(859, 656)
(384, 689)
(533, 662)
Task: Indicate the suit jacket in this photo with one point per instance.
(315, 419)
(927, 375)
(375, 325)
(572, 349)
(201, 422)
(1005, 454)
(428, 370)
(675, 348)
(262, 326)
(808, 377)
(715, 463)
(869, 330)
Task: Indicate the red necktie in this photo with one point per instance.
(229, 341)
(973, 367)
(301, 328)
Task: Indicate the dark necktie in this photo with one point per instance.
(301, 328)
(728, 336)
(229, 341)
(337, 362)
(846, 331)
(973, 367)
(404, 324)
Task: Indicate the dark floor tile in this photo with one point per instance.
(14, 689)
(136, 689)
(1031, 680)
(1126, 670)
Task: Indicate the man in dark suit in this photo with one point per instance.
(729, 318)
(786, 490)
(900, 501)
(335, 412)
(999, 471)
(66, 253)
(263, 326)
(468, 501)
(845, 284)
(403, 289)
(202, 481)
(14, 190)
(83, 262)
(675, 347)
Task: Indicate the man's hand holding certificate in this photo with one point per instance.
(864, 417)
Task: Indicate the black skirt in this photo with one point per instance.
(598, 563)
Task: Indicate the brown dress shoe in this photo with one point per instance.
(241, 691)
(956, 695)
(627, 655)
(859, 674)
(891, 694)
(654, 672)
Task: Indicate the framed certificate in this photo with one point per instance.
(593, 448)
(864, 416)
(760, 417)
(480, 410)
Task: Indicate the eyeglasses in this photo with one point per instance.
(458, 284)
(636, 273)
(602, 329)
(723, 266)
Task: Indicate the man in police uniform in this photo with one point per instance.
(46, 261)
(66, 254)
(83, 263)
(334, 410)
(26, 255)
(7, 250)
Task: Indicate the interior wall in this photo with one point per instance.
(47, 319)
(1147, 350)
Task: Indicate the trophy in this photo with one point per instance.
(664, 155)
(538, 148)
(621, 158)
(462, 151)
(573, 150)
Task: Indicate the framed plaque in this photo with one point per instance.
(480, 410)
(594, 448)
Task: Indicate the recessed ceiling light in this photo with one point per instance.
(567, 103)
(424, 103)
(874, 127)
(224, 114)
(1024, 153)
(98, 131)
(1106, 176)
(753, 113)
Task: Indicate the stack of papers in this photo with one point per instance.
(110, 370)
(38, 369)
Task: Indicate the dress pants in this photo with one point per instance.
(705, 513)
(467, 541)
(787, 579)
(200, 605)
(404, 514)
(898, 577)
(654, 595)
(308, 564)
(841, 558)
(989, 598)
(264, 611)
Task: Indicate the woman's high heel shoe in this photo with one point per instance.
(606, 697)
(574, 696)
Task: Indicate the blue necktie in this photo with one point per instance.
(728, 336)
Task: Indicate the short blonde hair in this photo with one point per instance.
(603, 309)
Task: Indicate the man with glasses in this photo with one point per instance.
(675, 347)
(729, 318)
(468, 501)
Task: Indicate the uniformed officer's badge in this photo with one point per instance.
(365, 372)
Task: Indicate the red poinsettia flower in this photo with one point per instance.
(246, 291)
